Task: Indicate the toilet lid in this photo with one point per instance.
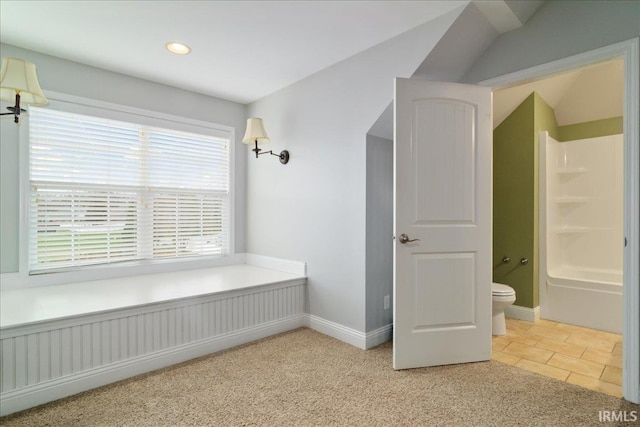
(500, 289)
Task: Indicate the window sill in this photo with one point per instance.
(13, 281)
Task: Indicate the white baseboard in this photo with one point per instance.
(288, 266)
(351, 336)
(44, 392)
(379, 336)
(338, 331)
(523, 313)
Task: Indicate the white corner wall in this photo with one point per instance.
(379, 236)
(314, 207)
(9, 195)
(72, 78)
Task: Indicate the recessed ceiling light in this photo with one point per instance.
(178, 48)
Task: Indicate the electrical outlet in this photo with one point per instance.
(386, 302)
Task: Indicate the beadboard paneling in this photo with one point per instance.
(33, 355)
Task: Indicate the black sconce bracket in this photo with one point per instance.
(283, 156)
(16, 110)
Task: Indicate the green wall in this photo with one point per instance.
(513, 200)
(515, 189)
(604, 127)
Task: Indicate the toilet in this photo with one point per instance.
(502, 297)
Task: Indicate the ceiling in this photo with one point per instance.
(244, 50)
(241, 50)
(590, 93)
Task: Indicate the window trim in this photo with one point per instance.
(71, 103)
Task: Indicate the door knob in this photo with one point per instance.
(405, 239)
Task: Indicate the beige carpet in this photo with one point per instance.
(306, 378)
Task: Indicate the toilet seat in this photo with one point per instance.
(498, 289)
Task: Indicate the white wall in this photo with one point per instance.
(314, 208)
(59, 75)
(557, 30)
(379, 233)
(457, 50)
(9, 194)
(466, 39)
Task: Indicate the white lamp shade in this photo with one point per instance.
(19, 76)
(255, 131)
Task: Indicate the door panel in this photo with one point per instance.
(444, 172)
(442, 180)
(446, 297)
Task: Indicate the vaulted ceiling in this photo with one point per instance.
(244, 50)
(241, 50)
(585, 94)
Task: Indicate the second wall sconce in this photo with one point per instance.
(255, 133)
(19, 84)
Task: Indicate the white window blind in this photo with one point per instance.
(105, 191)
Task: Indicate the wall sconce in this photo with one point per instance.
(19, 84)
(255, 132)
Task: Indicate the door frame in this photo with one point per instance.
(628, 51)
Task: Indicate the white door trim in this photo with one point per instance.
(628, 50)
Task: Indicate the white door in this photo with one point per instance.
(442, 204)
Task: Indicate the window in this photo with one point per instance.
(104, 191)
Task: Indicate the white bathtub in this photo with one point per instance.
(591, 298)
(581, 231)
(605, 280)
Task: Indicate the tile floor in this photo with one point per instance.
(577, 355)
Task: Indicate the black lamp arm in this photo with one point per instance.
(268, 152)
(283, 156)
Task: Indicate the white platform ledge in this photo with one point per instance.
(64, 339)
(33, 305)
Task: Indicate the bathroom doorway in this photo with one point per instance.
(628, 51)
(558, 196)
